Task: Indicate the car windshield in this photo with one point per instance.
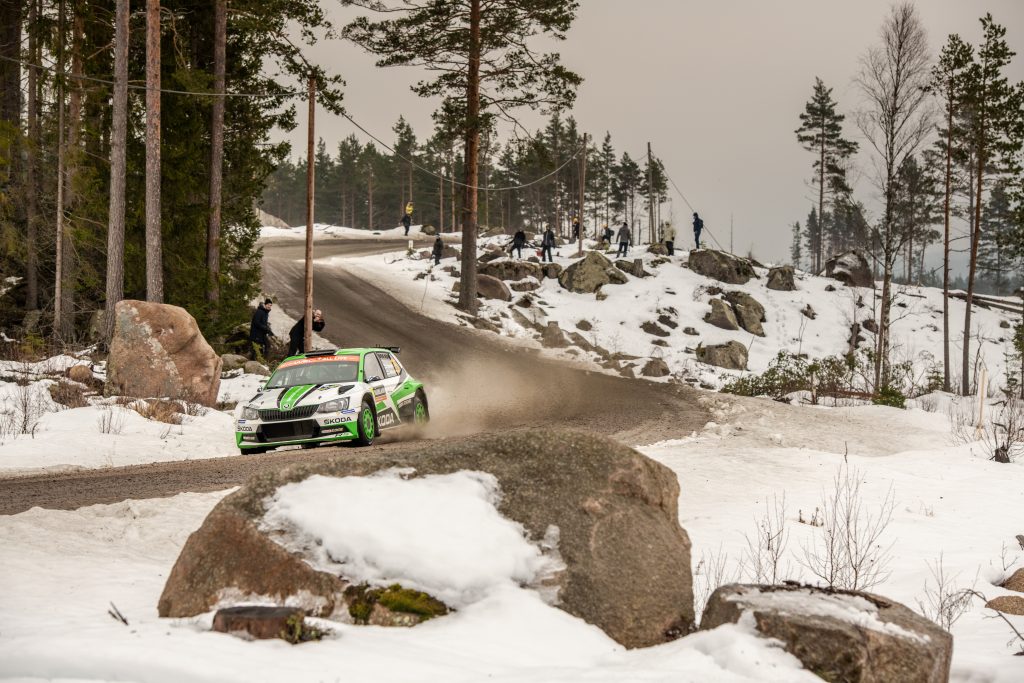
(321, 370)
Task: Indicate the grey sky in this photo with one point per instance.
(715, 86)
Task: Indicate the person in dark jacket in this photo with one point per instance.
(438, 250)
(607, 235)
(575, 229)
(518, 242)
(259, 329)
(698, 227)
(547, 243)
(406, 222)
(297, 335)
(625, 238)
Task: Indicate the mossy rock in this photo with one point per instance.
(391, 606)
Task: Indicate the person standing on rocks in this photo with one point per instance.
(546, 245)
(518, 241)
(625, 238)
(698, 227)
(669, 235)
(259, 328)
(438, 250)
(297, 335)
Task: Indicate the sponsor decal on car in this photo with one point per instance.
(333, 430)
(336, 420)
(246, 428)
(317, 359)
(386, 419)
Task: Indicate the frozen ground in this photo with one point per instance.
(60, 570)
(683, 295)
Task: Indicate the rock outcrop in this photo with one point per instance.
(587, 275)
(158, 351)
(490, 287)
(627, 559)
(842, 636)
(721, 315)
(731, 356)
(782, 279)
(850, 268)
(721, 266)
(749, 312)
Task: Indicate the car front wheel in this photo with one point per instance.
(366, 425)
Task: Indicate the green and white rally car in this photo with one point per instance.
(328, 396)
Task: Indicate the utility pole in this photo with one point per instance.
(650, 193)
(583, 187)
(310, 167)
(58, 297)
(731, 250)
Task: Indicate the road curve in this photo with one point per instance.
(476, 383)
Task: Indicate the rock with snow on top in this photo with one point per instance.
(552, 270)
(731, 356)
(721, 315)
(655, 367)
(782, 279)
(721, 266)
(587, 275)
(507, 269)
(653, 328)
(429, 230)
(850, 268)
(634, 267)
(749, 312)
(658, 248)
(527, 285)
(252, 367)
(233, 361)
(843, 636)
(808, 312)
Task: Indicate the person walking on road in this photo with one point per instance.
(259, 328)
(698, 227)
(547, 244)
(518, 241)
(625, 238)
(297, 335)
(669, 235)
(438, 250)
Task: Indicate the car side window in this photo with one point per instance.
(389, 367)
(394, 362)
(371, 367)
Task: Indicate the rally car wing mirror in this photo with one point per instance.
(373, 379)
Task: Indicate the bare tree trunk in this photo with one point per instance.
(58, 291)
(369, 198)
(972, 269)
(31, 179)
(821, 203)
(220, 24)
(118, 138)
(440, 203)
(154, 247)
(467, 292)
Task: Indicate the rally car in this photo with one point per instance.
(329, 396)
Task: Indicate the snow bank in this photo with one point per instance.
(268, 232)
(440, 533)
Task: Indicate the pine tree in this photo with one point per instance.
(812, 238)
(821, 132)
(995, 251)
(486, 68)
(796, 246)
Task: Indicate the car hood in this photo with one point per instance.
(289, 398)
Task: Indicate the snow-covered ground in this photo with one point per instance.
(684, 295)
(269, 232)
(38, 433)
(61, 570)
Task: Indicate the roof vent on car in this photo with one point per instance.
(392, 349)
(322, 352)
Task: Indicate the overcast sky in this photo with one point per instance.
(715, 87)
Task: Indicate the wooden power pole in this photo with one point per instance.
(310, 167)
(650, 193)
(583, 188)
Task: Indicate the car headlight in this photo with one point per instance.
(333, 406)
(250, 413)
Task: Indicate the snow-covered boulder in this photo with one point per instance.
(731, 356)
(492, 288)
(610, 514)
(749, 312)
(591, 272)
(846, 636)
(508, 269)
(158, 351)
(721, 266)
(850, 268)
(721, 315)
(782, 279)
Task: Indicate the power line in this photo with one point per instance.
(692, 209)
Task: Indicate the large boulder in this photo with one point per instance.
(1008, 604)
(634, 267)
(492, 288)
(626, 557)
(841, 636)
(850, 268)
(591, 272)
(721, 315)
(158, 351)
(721, 266)
(731, 356)
(1016, 581)
(749, 312)
(507, 269)
(782, 279)
(658, 248)
(552, 270)
(233, 361)
(655, 367)
(428, 230)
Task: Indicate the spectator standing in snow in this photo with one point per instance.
(297, 335)
(625, 238)
(607, 235)
(438, 250)
(698, 227)
(575, 229)
(669, 235)
(518, 240)
(259, 328)
(406, 222)
(546, 244)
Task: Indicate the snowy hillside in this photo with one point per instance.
(681, 299)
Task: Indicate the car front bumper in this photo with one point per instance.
(319, 428)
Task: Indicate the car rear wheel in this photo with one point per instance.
(366, 425)
(420, 414)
